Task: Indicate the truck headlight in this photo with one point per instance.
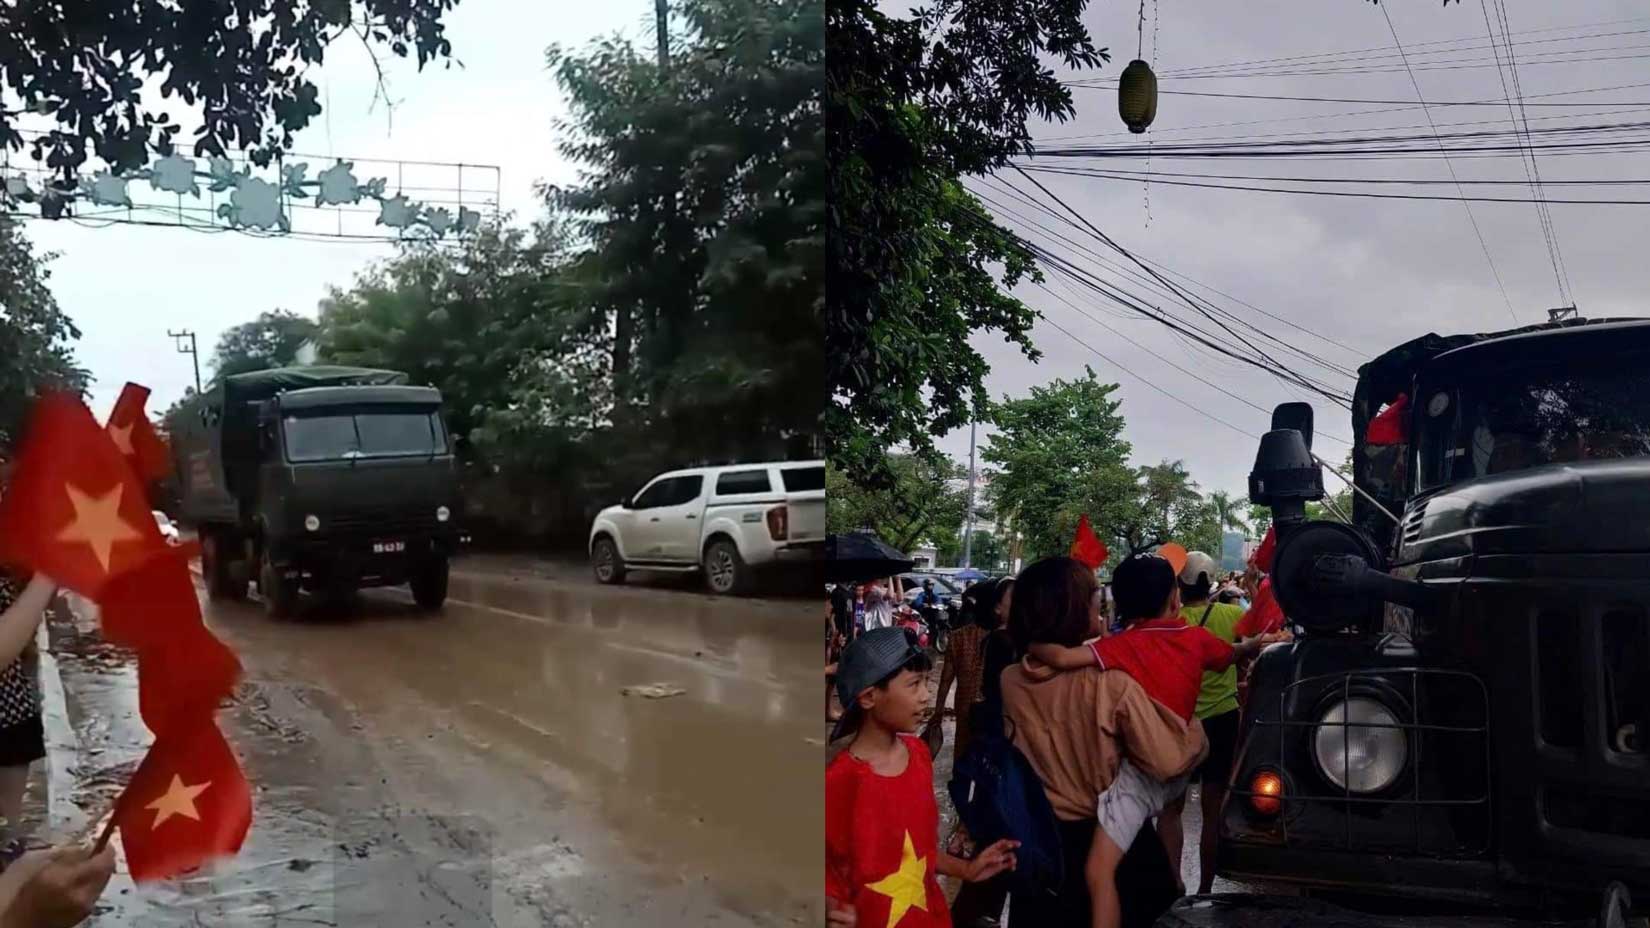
(1359, 746)
(312, 523)
(442, 513)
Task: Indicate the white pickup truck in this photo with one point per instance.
(724, 521)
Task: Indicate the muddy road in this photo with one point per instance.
(490, 765)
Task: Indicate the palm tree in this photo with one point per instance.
(1229, 511)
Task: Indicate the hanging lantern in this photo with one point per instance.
(1137, 96)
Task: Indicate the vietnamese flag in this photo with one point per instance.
(134, 434)
(151, 603)
(1087, 549)
(187, 804)
(1264, 614)
(1390, 427)
(74, 510)
(1262, 558)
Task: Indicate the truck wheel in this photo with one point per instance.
(280, 594)
(725, 570)
(429, 586)
(218, 572)
(605, 561)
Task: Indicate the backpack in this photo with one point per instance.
(998, 794)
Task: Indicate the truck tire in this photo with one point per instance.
(606, 562)
(725, 571)
(219, 572)
(429, 586)
(280, 595)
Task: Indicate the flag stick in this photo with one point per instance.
(109, 827)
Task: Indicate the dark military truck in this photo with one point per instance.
(1462, 726)
(325, 479)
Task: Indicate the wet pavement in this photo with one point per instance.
(485, 766)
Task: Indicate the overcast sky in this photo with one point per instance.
(1367, 273)
(125, 286)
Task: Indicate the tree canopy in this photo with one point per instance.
(919, 504)
(35, 335)
(915, 264)
(271, 340)
(242, 69)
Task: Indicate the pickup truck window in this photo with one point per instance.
(366, 434)
(798, 479)
(743, 481)
(673, 491)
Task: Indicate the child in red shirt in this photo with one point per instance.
(1167, 658)
(882, 824)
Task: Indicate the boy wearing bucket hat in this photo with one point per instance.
(882, 853)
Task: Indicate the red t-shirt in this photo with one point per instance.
(1264, 615)
(1167, 658)
(882, 838)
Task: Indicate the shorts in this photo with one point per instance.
(1131, 800)
(1222, 732)
(22, 743)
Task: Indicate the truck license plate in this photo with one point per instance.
(388, 547)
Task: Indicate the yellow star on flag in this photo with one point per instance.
(905, 887)
(97, 522)
(177, 800)
(122, 438)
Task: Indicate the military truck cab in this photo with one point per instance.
(324, 480)
(1461, 726)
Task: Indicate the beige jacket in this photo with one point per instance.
(1076, 727)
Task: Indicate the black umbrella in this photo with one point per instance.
(851, 557)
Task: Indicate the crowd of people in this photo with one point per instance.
(1118, 697)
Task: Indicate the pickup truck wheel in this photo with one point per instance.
(280, 595)
(429, 586)
(218, 573)
(605, 561)
(725, 570)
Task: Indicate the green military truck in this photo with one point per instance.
(322, 479)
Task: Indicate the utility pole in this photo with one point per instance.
(968, 525)
(190, 350)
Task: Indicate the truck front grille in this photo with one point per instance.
(380, 523)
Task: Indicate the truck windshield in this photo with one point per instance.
(334, 436)
(1528, 417)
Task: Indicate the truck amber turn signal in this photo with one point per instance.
(1266, 792)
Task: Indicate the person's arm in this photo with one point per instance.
(948, 676)
(17, 624)
(1062, 658)
(1161, 744)
(55, 888)
(985, 865)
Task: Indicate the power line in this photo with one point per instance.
(1107, 174)
(1379, 102)
(1103, 237)
(1565, 293)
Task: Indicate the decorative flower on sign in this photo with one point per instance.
(439, 220)
(255, 204)
(469, 220)
(292, 179)
(175, 174)
(222, 172)
(106, 189)
(396, 212)
(18, 189)
(338, 185)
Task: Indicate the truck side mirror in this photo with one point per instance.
(1297, 416)
(1285, 477)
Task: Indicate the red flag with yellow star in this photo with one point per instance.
(132, 432)
(187, 804)
(74, 509)
(152, 603)
(1087, 548)
(184, 671)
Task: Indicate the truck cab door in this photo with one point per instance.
(681, 522)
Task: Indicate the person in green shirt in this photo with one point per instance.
(1217, 702)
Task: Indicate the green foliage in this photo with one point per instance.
(989, 552)
(702, 206)
(1058, 454)
(1230, 511)
(271, 340)
(1260, 519)
(35, 335)
(915, 266)
(918, 503)
(243, 69)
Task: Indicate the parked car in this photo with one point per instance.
(945, 588)
(727, 522)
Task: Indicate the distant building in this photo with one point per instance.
(1233, 555)
(924, 556)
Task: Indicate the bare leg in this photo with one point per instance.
(1100, 872)
(1169, 828)
(13, 781)
(1212, 795)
